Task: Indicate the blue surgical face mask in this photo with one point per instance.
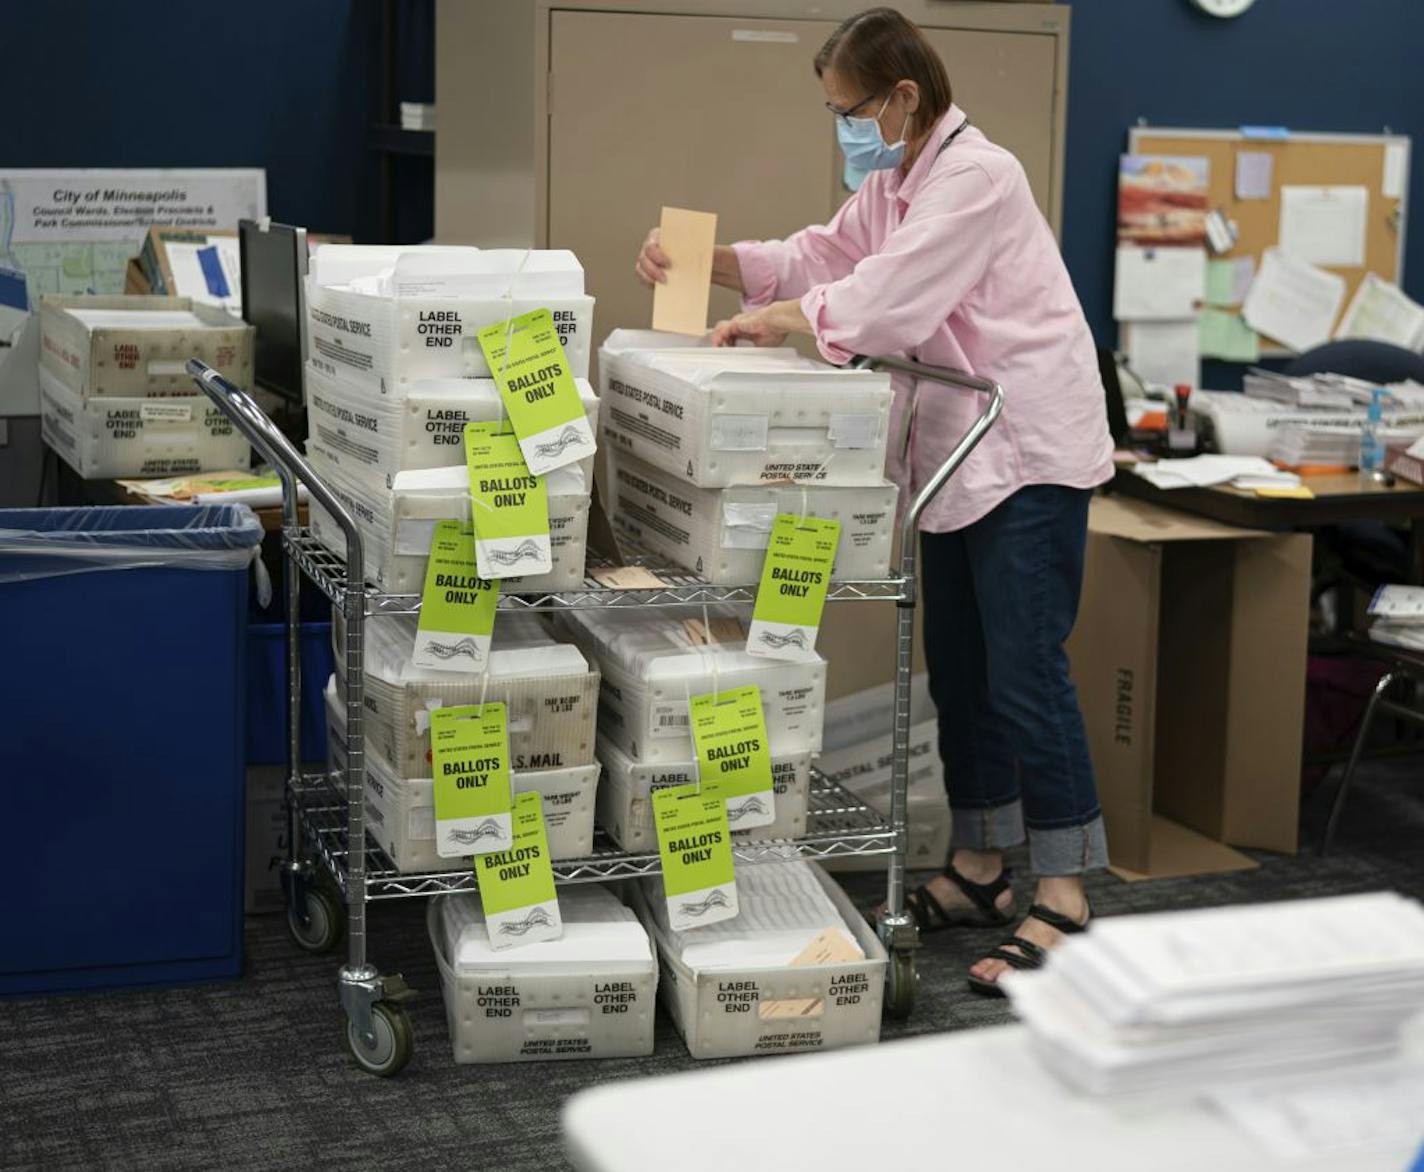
(865, 148)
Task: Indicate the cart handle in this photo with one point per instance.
(291, 466)
(910, 524)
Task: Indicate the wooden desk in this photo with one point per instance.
(73, 490)
(1339, 499)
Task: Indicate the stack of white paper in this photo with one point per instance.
(782, 908)
(417, 115)
(1247, 425)
(1303, 444)
(1398, 613)
(1204, 471)
(1185, 1000)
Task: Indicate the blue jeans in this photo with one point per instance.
(1000, 598)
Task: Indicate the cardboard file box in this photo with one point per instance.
(1189, 657)
(110, 436)
(374, 438)
(721, 534)
(138, 347)
(625, 805)
(390, 316)
(397, 525)
(729, 416)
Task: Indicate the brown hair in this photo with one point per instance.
(879, 47)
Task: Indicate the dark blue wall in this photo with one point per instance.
(291, 85)
(1323, 65)
(294, 85)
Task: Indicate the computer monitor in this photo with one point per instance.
(274, 264)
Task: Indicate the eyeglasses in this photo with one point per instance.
(847, 114)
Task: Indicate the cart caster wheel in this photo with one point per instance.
(902, 982)
(394, 1042)
(320, 929)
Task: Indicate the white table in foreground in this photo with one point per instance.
(976, 1099)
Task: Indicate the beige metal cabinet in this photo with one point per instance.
(570, 123)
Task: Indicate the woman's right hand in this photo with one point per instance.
(652, 263)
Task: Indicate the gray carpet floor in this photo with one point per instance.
(253, 1074)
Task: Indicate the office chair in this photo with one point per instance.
(1376, 362)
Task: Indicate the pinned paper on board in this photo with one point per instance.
(1228, 281)
(1158, 284)
(1255, 174)
(1325, 225)
(1293, 302)
(680, 303)
(1396, 163)
(1225, 335)
(1381, 311)
(1165, 353)
(1162, 201)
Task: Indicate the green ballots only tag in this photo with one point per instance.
(469, 748)
(695, 843)
(733, 762)
(526, 360)
(794, 579)
(517, 885)
(457, 607)
(509, 508)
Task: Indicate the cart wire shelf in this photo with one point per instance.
(328, 571)
(838, 825)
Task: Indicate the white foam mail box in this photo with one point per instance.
(589, 994)
(732, 988)
(398, 524)
(376, 438)
(721, 534)
(109, 436)
(138, 347)
(733, 415)
(625, 796)
(401, 810)
(390, 317)
(857, 754)
(650, 666)
(550, 689)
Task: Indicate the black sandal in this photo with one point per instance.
(1025, 955)
(932, 916)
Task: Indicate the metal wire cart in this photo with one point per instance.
(332, 872)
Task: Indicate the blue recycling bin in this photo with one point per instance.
(122, 743)
(267, 691)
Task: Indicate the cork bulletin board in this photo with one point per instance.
(1312, 160)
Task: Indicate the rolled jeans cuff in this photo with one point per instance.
(1068, 850)
(990, 828)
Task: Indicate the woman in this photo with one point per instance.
(941, 254)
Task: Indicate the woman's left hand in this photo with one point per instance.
(762, 327)
(756, 327)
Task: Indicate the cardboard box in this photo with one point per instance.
(1399, 461)
(138, 347)
(1189, 656)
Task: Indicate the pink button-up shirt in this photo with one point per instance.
(953, 264)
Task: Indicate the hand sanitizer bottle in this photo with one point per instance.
(1371, 450)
